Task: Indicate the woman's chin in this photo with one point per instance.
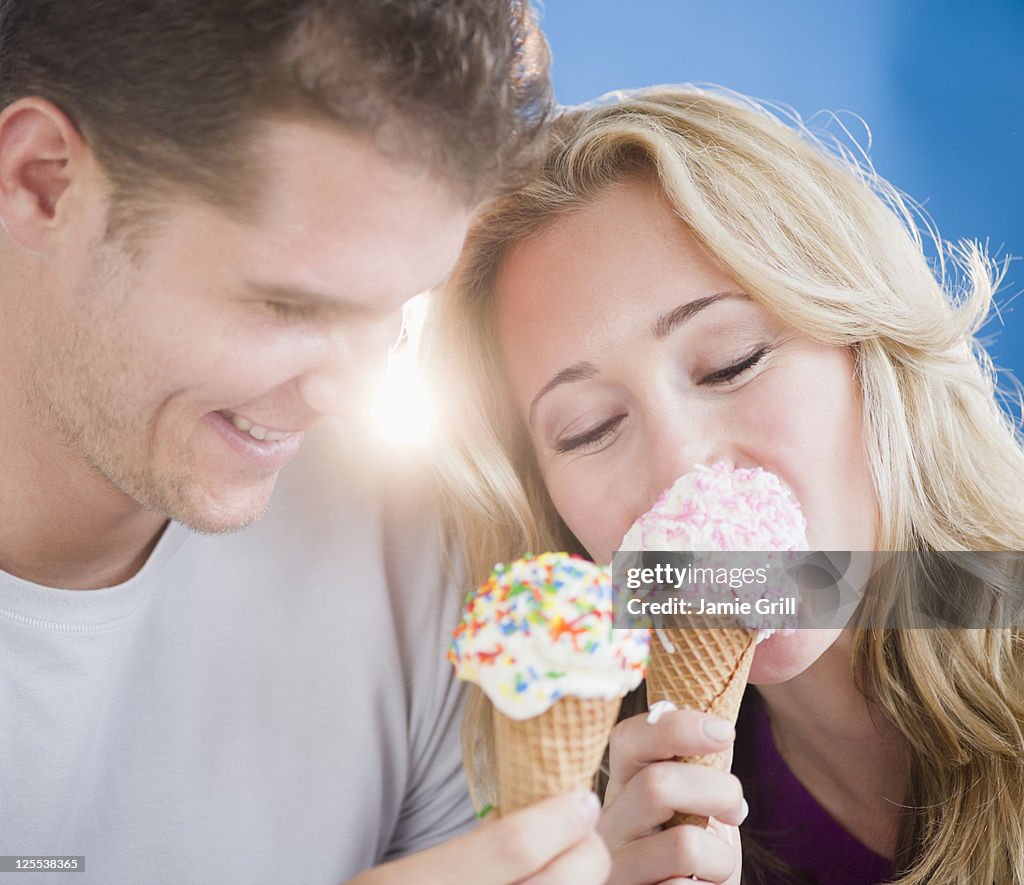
(781, 658)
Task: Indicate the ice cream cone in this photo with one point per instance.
(537, 638)
(556, 752)
(706, 671)
(715, 510)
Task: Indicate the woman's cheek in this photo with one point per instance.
(587, 509)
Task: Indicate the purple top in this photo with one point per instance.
(786, 819)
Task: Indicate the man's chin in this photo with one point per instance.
(220, 513)
(209, 524)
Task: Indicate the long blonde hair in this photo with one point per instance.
(821, 241)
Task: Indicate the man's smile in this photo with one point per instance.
(254, 430)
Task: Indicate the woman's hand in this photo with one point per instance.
(646, 788)
(551, 843)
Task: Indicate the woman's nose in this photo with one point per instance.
(678, 442)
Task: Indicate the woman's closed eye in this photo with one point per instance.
(595, 436)
(729, 373)
(589, 438)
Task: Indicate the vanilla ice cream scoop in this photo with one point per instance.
(540, 629)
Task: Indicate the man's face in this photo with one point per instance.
(186, 371)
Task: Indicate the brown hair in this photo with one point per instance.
(166, 92)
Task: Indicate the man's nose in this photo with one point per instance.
(352, 361)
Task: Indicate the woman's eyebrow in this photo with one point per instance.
(576, 372)
(662, 326)
(669, 322)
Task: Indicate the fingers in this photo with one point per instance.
(679, 852)
(550, 837)
(686, 880)
(635, 742)
(586, 862)
(529, 841)
(661, 789)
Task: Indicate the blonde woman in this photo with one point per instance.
(690, 280)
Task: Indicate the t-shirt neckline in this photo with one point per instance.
(84, 611)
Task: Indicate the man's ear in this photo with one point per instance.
(41, 152)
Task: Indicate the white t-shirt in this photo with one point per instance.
(270, 706)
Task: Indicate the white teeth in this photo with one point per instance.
(257, 432)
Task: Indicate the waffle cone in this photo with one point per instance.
(708, 672)
(556, 752)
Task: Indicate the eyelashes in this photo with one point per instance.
(592, 438)
(292, 313)
(736, 369)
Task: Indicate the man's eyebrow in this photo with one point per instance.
(311, 299)
(576, 372)
(669, 322)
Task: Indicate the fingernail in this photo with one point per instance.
(718, 729)
(591, 806)
(659, 709)
(744, 811)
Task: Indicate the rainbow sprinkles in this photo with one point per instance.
(539, 629)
